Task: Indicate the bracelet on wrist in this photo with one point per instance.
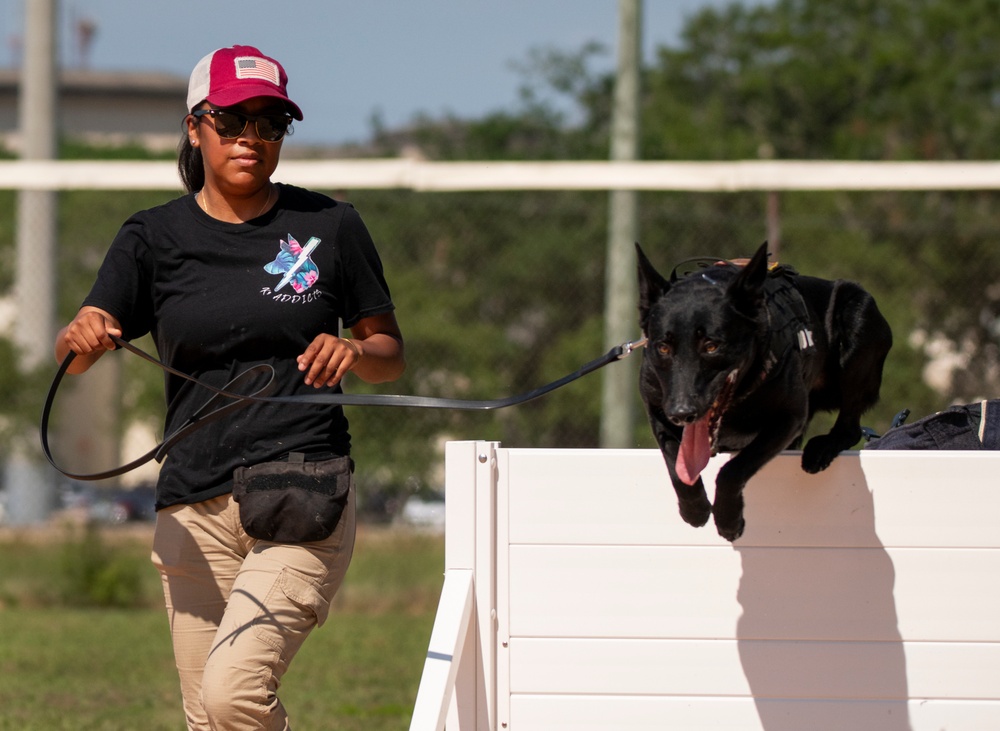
(357, 351)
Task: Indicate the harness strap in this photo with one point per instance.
(216, 407)
(789, 325)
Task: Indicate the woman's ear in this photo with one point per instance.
(191, 126)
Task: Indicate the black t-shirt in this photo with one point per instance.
(221, 297)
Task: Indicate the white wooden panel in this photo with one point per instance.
(636, 713)
(771, 669)
(502, 587)
(876, 499)
(788, 507)
(460, 507)
(643, 713)
(935, 498)
(485, 585)
(948, 594)
(851, 591)
(618, 591)
(871, 499)
(816, 594)
(953, 670)
(627, 667)
(596, 497)
(869, 594)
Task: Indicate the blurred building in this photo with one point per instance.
(111, 108)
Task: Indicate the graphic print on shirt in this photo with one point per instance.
(295, 265)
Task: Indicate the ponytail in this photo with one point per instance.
(190, 165)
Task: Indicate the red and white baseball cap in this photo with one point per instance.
(228, 76)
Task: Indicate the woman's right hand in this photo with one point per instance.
(89, 336)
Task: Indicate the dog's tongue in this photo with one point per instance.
(695, 451)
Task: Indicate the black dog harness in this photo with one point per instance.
(789, 326)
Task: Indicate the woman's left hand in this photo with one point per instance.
(328, 359)
(374, 352)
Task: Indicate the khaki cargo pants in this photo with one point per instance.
(240, 608)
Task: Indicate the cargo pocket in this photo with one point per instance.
(292, 608)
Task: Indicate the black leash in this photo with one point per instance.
(216, 407)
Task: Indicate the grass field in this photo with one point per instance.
(111, 669)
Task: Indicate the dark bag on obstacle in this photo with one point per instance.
(967, 427)
(294, 501)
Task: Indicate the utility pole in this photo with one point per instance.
(32, 486)
(773, 208)
(36, 209)
(618, 395)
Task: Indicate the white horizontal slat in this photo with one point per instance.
(602, 713)
(622, 591)
(588, 496)
(869, 594)
(948, 594)
(533, 175)
(856, 594)
(636, 713)
(703, 176)
(786, 506)
(876, 499)
(625, 498)
(873, 499)
(626, 667)
(772, 669)
(928, 498)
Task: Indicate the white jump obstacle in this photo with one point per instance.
(865, 598)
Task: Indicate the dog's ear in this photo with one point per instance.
(747, 290)
(652, 286)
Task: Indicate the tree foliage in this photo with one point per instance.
(858, 79)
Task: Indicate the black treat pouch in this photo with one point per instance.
(294, 501)
(964, 427)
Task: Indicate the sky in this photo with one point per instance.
(350, 61)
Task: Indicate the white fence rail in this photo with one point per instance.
(864, 598)
(420, 175)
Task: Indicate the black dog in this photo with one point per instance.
(739, 357)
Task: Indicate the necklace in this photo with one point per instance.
(204, 203)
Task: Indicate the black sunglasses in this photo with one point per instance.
(230, 125)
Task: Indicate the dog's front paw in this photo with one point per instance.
(696, 511)
(730, 529)
(819, 453)
(729, 519)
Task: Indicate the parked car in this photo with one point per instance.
(108, 505)
(423, 513)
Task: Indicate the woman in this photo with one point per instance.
(239, 272)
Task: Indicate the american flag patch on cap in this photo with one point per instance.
(251, 67)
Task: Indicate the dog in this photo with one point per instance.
(739, 356)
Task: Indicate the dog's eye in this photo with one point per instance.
(709, 347)
(664, 349)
